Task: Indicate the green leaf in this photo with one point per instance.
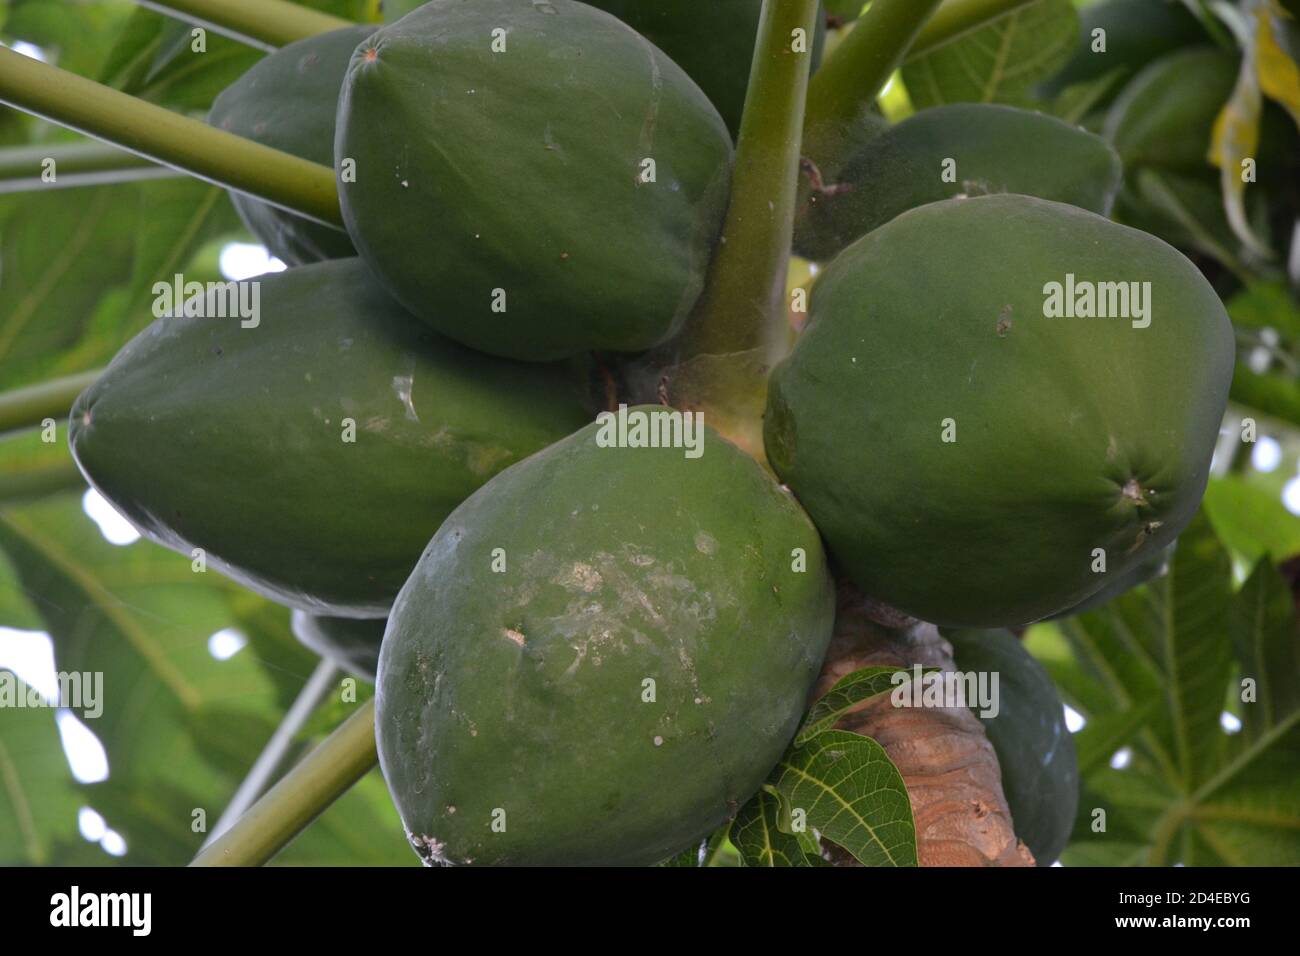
(851, 793)
(756, 833)
(1273, 394)
(1265, 639)
(182, 215)
(1266, 305)
(140, 617)
(1193, 793)
(38, 800)
(76, 36)
(80, 264)
(1078, 100)
(1195, 655)
(998, 63)
(847, 693)
(1251, 519)
(32, 468)
(61, 251)
(1096, 743)
(1236, 138)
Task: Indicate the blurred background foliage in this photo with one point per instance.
(198, 672)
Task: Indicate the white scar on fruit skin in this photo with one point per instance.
(404, 385)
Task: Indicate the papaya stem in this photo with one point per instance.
(301, 795)
(27, 407)
(739, 324)
(74, 164)
(743, 294)
(189, 145)
(277, 749)
(266, 24)
(955, 18)
(846, 85)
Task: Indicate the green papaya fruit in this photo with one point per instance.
(1040, 772)
(312, 455)
(288, 101)
(1142, 572)
(964, 441)
(996, 149)
(1165, 116)
(601, 654)
(351, 643)
(1136, 33)
(713, 42)
(501, 197)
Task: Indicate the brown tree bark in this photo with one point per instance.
(947, 762)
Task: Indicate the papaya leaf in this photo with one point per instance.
(1272, 394)
(1000, 62)
(38, 799)
(61, 251)
(845, 786)
(284, 660)
(1106, 733)
(1251, 520)
(1107, 643)
(1079, 688)
(75, 36)
(117, 241)
(31, 467)
(757, 834)
(139, 617)
(1266, 305)
(844, 10)
(154, 56)
(1235, 141)
(1078, 100)
(1195, 210)
(181, 215)
(183, 78)
(847, 692)
(1265, 642)
(1194, 793)
(1279, 75)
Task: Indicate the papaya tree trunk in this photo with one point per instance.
(947, 762)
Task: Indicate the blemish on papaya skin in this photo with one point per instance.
(431, 851)
(371, 54)
(515, 636)
(1004, 322)
(1146, 531)
(1132, 491)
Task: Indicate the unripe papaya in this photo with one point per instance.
(288, 101)
(1165, 116)
(312, 455)
(713, 42)
(973, 447)
(1142, 572)
(601, 654)
(351, 643)
(1040, 772)
(533, 180)
(1136, 33)
(959, 149)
